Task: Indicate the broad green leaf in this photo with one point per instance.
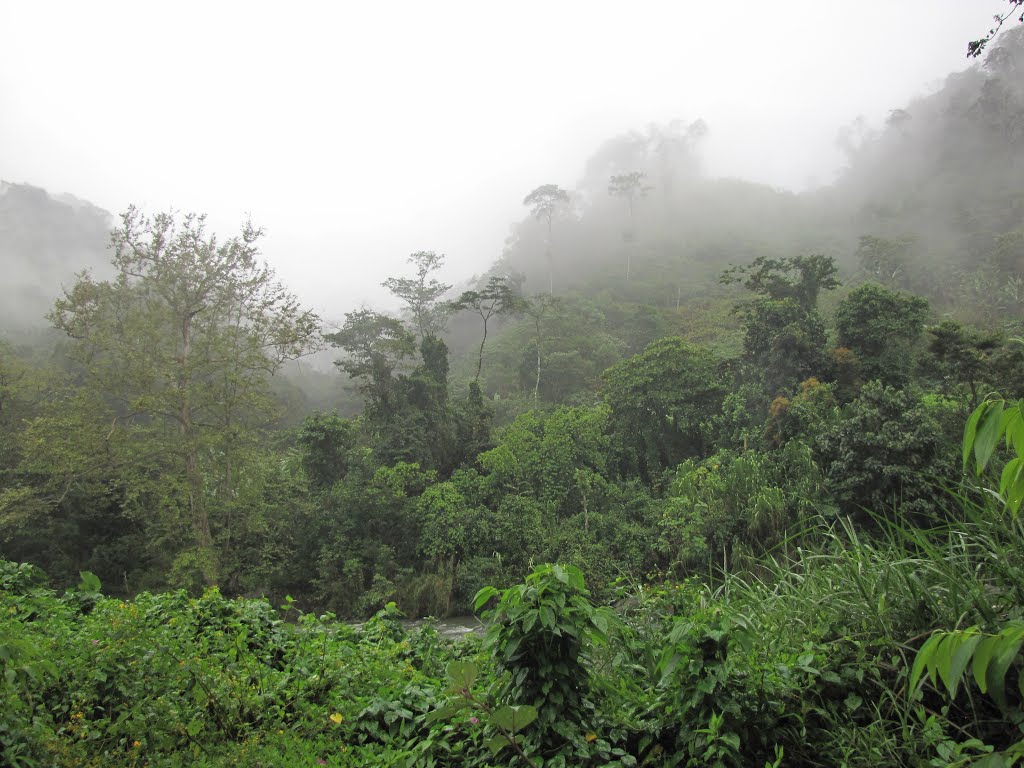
(576, 578)
(513, 719)
(959, 659)
(987, 437)
(995, 760)
(1005, 651)
(529, 621)
(512, 646)
(1011, 483)
(982, 658)
(448, 711)
(483, 597)
(1013, 426)
(462, 675)
(496, 743)
(971, 430)
(923, 660)
(90, 582)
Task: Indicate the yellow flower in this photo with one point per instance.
(336, 718)
(591, 737)
(136, 744)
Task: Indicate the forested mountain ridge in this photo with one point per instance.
(44, 242)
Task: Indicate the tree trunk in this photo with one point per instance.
(480, 360)
(197, 509)
(536, 385)
(551, 262)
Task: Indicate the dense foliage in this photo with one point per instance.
(702, 474)
(809, 662)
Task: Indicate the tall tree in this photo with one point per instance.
(182, 343)
(376, 345)
(630, 187)
(885, 261)
(496, 298)
(544, 203)
(422, 294)
(538, 310)
(784, 336)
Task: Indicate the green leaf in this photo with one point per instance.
(1005, 651)
(513, 719)
(448, 711)
(529, 621)
(512, 646)
(982, 658)
(923, 660)
(959, 659)
(1013, 426)
(547, 617)
(483, 597)
(1011, 483)
(987, 437)
(971, 430)
(990, 761)
(462, 675)
(732, 739)
(90, 582)
(496, 743)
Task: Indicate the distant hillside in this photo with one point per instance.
(931, 202)
(44, 241)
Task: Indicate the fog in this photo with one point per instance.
(357, 134)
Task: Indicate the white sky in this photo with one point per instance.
(358, 132)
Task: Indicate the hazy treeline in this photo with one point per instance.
(661, 373)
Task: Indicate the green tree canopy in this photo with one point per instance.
(376, 345)
(660, 401)
(422, 293)
(782, 340)
(881, 327)
(180, 345)
(800, 278)
(497, 297)
(544, 202)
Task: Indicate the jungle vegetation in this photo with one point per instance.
(732, 474)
